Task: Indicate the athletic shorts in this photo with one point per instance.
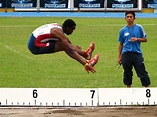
(40, 50)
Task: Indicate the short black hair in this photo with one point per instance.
(130, 12)
(69, 23)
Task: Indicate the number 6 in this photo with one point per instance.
(35, 94)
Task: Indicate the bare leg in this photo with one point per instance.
(76, 53)
(58, 47)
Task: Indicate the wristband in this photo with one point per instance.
(85, 64)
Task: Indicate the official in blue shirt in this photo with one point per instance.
(129, 50)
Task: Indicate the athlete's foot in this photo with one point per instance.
(94, 60)
(88, 52)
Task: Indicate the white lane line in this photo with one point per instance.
(17, 52)
(18, 26)
(120, 25)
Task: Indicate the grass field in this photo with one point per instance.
(19, 68)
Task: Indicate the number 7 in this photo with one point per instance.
(93, 91)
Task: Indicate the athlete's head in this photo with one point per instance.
(68, 26)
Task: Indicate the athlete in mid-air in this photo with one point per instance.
(51, 38)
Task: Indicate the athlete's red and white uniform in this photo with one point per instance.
(41, 41)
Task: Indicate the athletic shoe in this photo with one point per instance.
(93, 61)
(88, 52)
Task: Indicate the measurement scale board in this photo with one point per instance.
(68, 97)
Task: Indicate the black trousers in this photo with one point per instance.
(130, 60)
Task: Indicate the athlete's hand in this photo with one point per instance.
(88, 68)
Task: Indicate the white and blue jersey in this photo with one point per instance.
(128, 32)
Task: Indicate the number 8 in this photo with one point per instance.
(148, 94)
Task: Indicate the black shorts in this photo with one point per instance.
(40, 50)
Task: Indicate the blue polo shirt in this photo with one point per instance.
(128, 32)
